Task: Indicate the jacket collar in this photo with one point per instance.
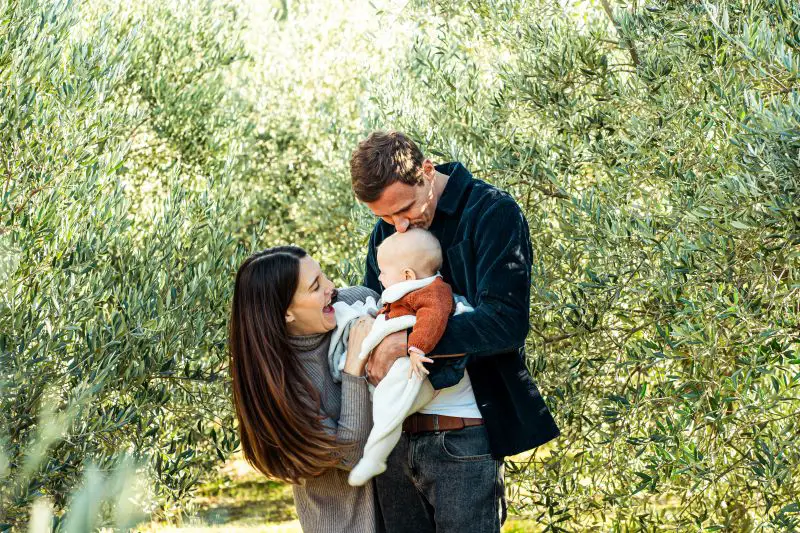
(456, 186)
(398, 290)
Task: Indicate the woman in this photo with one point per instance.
(295, 422)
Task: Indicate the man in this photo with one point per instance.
(446, 473)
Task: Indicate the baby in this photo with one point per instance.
(409, 263)
(415, 296)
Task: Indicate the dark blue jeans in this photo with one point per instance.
(444, 481)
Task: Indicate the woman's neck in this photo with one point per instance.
(304, 343)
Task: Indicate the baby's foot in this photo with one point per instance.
(364, 471)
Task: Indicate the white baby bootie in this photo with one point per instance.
(364, 471)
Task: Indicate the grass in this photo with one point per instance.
(242, 500)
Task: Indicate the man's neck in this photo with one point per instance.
(439, 183)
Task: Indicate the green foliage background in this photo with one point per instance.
(146, 149)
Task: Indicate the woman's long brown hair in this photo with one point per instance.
(276, 405)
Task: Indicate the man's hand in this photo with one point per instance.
(392, 347)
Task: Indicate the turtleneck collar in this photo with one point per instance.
(305, 343)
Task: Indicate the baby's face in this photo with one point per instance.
(392, 269)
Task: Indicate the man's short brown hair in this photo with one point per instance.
(382, 159)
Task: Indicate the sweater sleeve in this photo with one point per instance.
(355, 419)
(356, 293)
(432, 307)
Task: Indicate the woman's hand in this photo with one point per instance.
(358, 331)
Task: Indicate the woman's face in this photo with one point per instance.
(311, 311)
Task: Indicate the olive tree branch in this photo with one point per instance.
(628, 43)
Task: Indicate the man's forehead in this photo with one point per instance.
(395, 197)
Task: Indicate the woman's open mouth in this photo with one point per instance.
(328, 309)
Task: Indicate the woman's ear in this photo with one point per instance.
(289, 317)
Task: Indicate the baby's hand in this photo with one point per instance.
(417, 358)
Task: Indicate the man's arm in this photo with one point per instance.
(499, 322)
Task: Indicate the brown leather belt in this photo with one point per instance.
(420, 423)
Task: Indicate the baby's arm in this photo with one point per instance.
(433, 306)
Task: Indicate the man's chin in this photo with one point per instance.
(421, 225)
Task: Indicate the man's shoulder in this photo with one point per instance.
(482, 190)
(477, 191)
(486, 199)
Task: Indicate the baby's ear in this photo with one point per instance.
(409, 274)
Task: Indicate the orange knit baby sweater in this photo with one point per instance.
(432, 306)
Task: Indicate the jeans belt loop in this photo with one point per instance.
(436, 422)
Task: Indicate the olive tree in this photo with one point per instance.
(654, 149)
(118, 270)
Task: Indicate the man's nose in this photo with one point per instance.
(401, 225)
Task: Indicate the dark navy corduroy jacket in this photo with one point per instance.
(487, 258)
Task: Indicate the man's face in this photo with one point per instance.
(407, 206)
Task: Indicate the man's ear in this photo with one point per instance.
(428, 169)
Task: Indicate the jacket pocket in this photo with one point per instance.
(461, 262)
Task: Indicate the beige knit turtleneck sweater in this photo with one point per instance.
(327, 504)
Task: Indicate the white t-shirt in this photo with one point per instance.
(458, 400)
